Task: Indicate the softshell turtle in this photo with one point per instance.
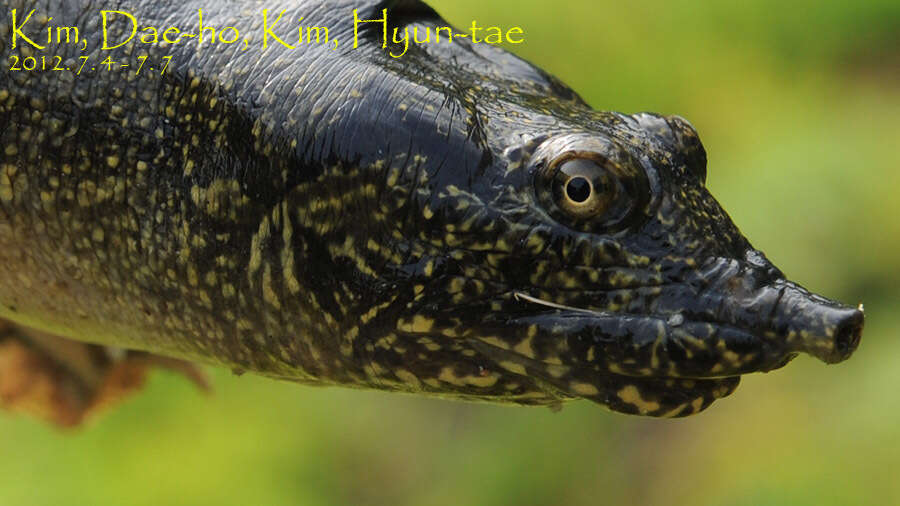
(454, 222)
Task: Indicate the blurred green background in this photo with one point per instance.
(798, 105)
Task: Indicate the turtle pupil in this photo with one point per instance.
(578, 189)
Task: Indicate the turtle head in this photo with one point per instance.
(720, 306)
(593, 262)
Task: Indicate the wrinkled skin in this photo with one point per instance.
(344, 217)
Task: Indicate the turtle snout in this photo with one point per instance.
(823, 328)
(847, 334)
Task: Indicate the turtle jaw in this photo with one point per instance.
(665, 365)
(729, 329)
(744, 316)
(661, 397)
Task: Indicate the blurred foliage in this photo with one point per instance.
(797, 104)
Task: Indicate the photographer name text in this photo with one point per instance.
(120, 28)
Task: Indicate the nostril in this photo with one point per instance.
(847, 335)
(808, 323)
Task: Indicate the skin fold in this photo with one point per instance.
(455, 222)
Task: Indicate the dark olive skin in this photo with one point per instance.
(454, 222)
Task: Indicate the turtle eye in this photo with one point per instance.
(579, 190)
(586, 191)
(582, 188)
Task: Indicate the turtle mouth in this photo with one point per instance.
(671, 354)
(666, 346)
(742, 335)
(668, 364)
